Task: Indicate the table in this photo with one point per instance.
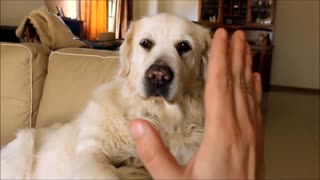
(112, 45)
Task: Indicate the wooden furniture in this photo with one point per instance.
(262, 58)
(8, 34)
(252, 14)
(76, 26)
(112, 45)
(255, 17)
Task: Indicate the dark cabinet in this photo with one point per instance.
(76, 26)
(8, 34)
(255, 17)
(257, 14)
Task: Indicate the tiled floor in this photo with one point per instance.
(291, 122)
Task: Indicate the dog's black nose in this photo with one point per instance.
(159, 75)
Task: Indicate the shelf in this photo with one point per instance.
(254, 26)
(245, 15)
(235, 16)
(263, 7)
(211, 6)
(261, 47)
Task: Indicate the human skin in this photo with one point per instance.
(232, 143)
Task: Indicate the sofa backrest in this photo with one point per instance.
(23, 72)
(73, 76)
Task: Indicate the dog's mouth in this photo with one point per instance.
(158, 80)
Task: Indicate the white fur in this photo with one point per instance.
(94, 145)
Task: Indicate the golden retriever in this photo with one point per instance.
(161, 79)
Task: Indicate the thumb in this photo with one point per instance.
(155, 156)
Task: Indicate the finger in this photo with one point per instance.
(257, 96)
(238, 54)
(248, 72)
(218, 91)
(248, 68)
(152, 151)
(218, 65)
(260, 134)
(239, 57)
(255, 155)
(250, 83)
(238, 51)
(257, 87)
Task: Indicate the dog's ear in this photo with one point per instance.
(205, 53)
(126, 51)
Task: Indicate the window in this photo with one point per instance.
(111, 15)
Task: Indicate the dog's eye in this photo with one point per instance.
(146, 43)
(183, 47)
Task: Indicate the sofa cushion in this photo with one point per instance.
(23, 71)
(73, 75)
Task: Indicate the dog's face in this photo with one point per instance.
(164, 56)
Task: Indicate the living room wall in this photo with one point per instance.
(13, 11)
(69, 7)
(186, 8)
(296, 54)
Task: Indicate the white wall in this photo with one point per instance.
(69, 7)
(13, 11)
(296, 54)
(186, 8)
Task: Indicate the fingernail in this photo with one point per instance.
(248, 48)
(137, 130)
(241, 35)
(223, 33)
(257, 77)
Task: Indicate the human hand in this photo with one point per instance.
(232, 144)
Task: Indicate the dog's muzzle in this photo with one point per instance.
(158, 79)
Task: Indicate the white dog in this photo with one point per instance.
(163, 63)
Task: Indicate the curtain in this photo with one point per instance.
(94, 14)
(123, 15)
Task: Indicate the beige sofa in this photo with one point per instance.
(40, 87)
